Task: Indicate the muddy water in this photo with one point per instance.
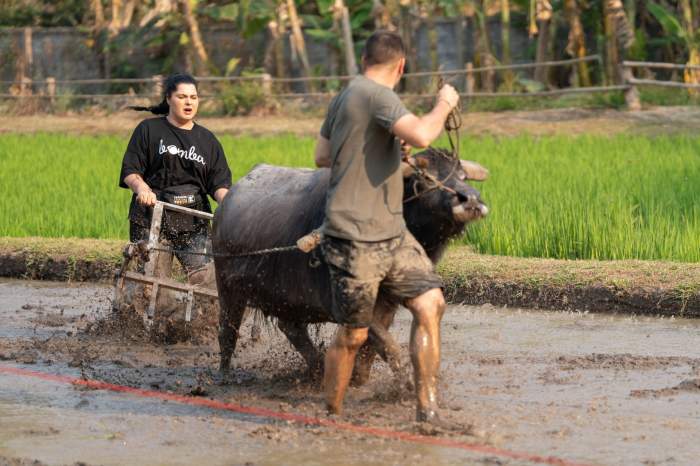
(583, 387)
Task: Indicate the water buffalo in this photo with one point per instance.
(274, 206)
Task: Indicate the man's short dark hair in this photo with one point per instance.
(383, 47)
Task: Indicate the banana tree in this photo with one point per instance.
(540, 20)
(684, 33)
(576, 45)
(619, 37)
(204, 66)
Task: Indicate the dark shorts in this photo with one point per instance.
(398, 267)
(190, 241)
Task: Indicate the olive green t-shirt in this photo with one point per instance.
(365, 195)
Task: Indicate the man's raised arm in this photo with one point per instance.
(422, 131)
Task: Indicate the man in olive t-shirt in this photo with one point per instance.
(365, 242)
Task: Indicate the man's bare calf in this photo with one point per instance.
(339, 361)
(427, 310)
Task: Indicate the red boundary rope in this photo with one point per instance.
(296, 418)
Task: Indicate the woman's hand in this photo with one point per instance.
(146, 197)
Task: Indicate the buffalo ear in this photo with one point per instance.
(422, 162)
(474, 171)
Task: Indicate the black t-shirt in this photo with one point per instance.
(168, 157)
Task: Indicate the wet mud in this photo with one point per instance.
(584, 387)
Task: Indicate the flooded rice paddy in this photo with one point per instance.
(583, 388)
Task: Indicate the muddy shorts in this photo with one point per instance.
(359, 270)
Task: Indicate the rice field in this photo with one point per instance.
(592, 197)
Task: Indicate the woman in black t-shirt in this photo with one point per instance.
(173, 159)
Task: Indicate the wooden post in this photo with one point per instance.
(267, 85)
(157, 85)
(470, 78)
(632, 93)
(28, 51)
(25, 86)
(488, 77)
(51, 89)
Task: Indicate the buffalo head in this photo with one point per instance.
(438, 206)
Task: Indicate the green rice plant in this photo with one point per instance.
(593, 197)
(66, 186)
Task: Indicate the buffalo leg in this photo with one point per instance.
(298, 336)
(232, 309)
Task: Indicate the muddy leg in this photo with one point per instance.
(298, 336)
(377, 344)
(427, 310)
(231, 313)
(338, 364)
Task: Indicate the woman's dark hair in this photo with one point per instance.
(169, 86)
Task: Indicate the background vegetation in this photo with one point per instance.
(621, 197)
(274, 34)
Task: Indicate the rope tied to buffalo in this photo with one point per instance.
(453, 124)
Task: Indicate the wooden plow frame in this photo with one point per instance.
(151, 252)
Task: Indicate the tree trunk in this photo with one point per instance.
(116, 21)
(690, 76)
(544, 17)
(382, 16)
(99, 13)
(298, 38)
(406, 31)
(280, 58)
(576, 46)
(202, 66)
(508, 77)
(460, 31)
(482, 51)
(612, 55)
(631, 11)
(128, 13)
(342, 16)
(432, 41)
(161, 7)
(28, 52)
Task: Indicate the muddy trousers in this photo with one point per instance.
(183, 243)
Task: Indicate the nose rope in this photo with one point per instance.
(453, 123)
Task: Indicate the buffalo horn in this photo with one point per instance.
(474, 171)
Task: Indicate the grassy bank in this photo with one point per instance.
(583, 197)
(644, 287)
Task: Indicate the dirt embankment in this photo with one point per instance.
(566, 121)
(641, 287)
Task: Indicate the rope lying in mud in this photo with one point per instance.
(292, 417)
